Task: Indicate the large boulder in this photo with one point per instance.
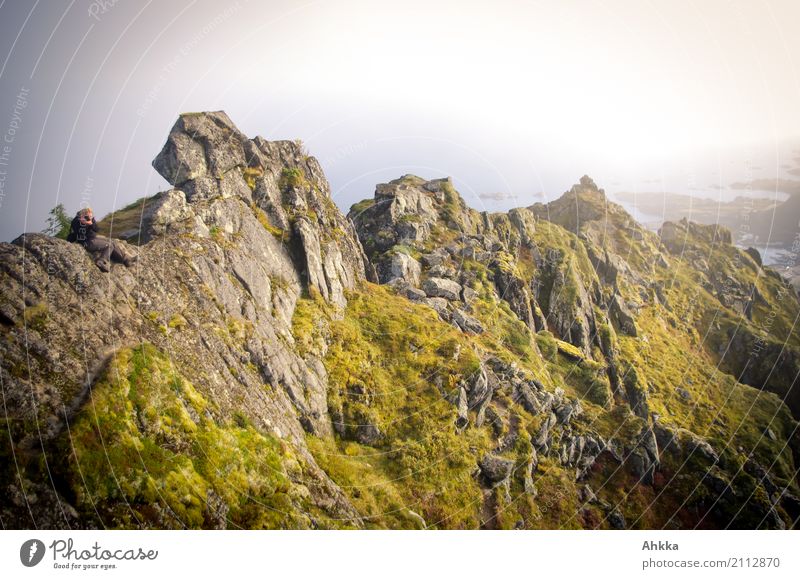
(206, 157)
(202, 148)
(466, 323)
(621, 315)
(437, 287)
(401, 266)
(495, 470)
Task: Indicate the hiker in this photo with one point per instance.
(83, 230)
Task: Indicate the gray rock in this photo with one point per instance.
(442, 288)
(666, 438)
(514, 291)
(414, 294)
(466, 322)
(754, 253)
(698, 446)
(636, 394)
(438, 304)
(616, 520)
(241, 283)
(462, 406)
(404, 212)
(586, 494)
(166, 213)
(544, 435)
(200, 145)
(480, 388)
(526, 396)
(621, 315)
(405, 267)
(527, 481)
(495, 470)
(435, 258)
(468, 295)
(570, 312)
(568, 410)
(641, 465)
(443, 271)
(368, 434)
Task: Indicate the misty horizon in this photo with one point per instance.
(639, 100)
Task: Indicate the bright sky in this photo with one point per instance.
(510, 98)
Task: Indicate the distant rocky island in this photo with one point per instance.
(272, 363)
(770, 226)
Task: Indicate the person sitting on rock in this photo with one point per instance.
(83, 230)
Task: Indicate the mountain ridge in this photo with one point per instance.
(418, 364)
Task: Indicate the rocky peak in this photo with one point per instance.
(201, 152)
(408, 211)
(208, 161)
(587, 189)
(588, 183)
(584, 204)
(247, 229)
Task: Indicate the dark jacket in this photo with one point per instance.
(82, 234)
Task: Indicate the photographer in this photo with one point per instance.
(83, 230)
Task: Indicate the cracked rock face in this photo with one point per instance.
(214, 257)
(200, 146)
(208, 158)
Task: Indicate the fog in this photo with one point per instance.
(514, 100)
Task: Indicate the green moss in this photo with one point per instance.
(589, 382)
(384, 360)
(362, 206)
(556, 504)
(239, 329)
(264, 221)
(452, 207)
(177, 321)
(410, 218)
(126, 221)
(504, 333)
(310, 323)
(717, 404)
(146, 453)
(547, 344)
(36, 316)
(292, 178)
(251, 174)
(359, 471)
(568, 350)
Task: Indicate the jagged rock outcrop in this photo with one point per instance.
(404, 212)
(401, 267)
(753, 310)
(219, 297)
(513, 290)
(644, 459)
(569, 309)
(207, 157)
